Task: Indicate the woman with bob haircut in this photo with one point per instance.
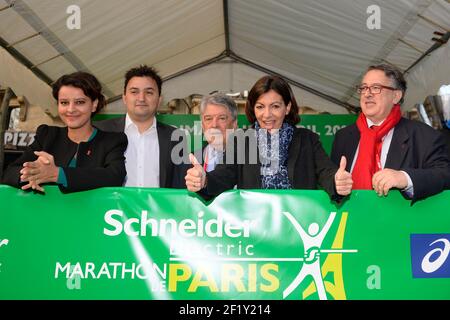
(75, 157)
(288, 157)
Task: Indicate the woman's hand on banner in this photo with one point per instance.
(42, 170)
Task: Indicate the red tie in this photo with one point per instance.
(205, 165)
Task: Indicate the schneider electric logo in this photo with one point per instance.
(240, 257)
(430, 255)
(226, 255)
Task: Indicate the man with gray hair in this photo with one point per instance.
(218, 114)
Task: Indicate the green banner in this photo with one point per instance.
(325, 125)
(131, 243)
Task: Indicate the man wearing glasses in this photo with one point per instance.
(386, 151)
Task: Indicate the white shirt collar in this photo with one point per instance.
(370, 122)
(130, 124)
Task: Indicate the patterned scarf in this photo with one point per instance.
(273, 154)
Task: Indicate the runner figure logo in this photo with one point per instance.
(4, 242)
(312, 242)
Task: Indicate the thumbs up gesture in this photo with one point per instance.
(196, 176)
(343, 179)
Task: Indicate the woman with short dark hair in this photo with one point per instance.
(75, 157)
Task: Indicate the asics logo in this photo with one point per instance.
(430, 265)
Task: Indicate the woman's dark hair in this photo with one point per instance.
(85, 81)
(280, 86)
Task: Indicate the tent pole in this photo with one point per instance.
(4, 112)
(349, 107)
(27, 63)
(435, 46)
(226, 27)
(180, 73)
(33, 20)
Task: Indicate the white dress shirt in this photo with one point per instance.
(386, 143)
(141, 156)
(212, 158)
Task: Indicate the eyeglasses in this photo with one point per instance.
(375, 89)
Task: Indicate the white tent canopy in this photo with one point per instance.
(321, 46)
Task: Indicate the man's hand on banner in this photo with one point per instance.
(196, 176)
(343, 179)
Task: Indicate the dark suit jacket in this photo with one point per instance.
(100, 162)
(446, 134)
(308, 166)
(416, 148)
(166, 165)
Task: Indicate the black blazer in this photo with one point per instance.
(308, 166)
(416, 148)
(100, 162)
(166, 165)
(446, 134)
